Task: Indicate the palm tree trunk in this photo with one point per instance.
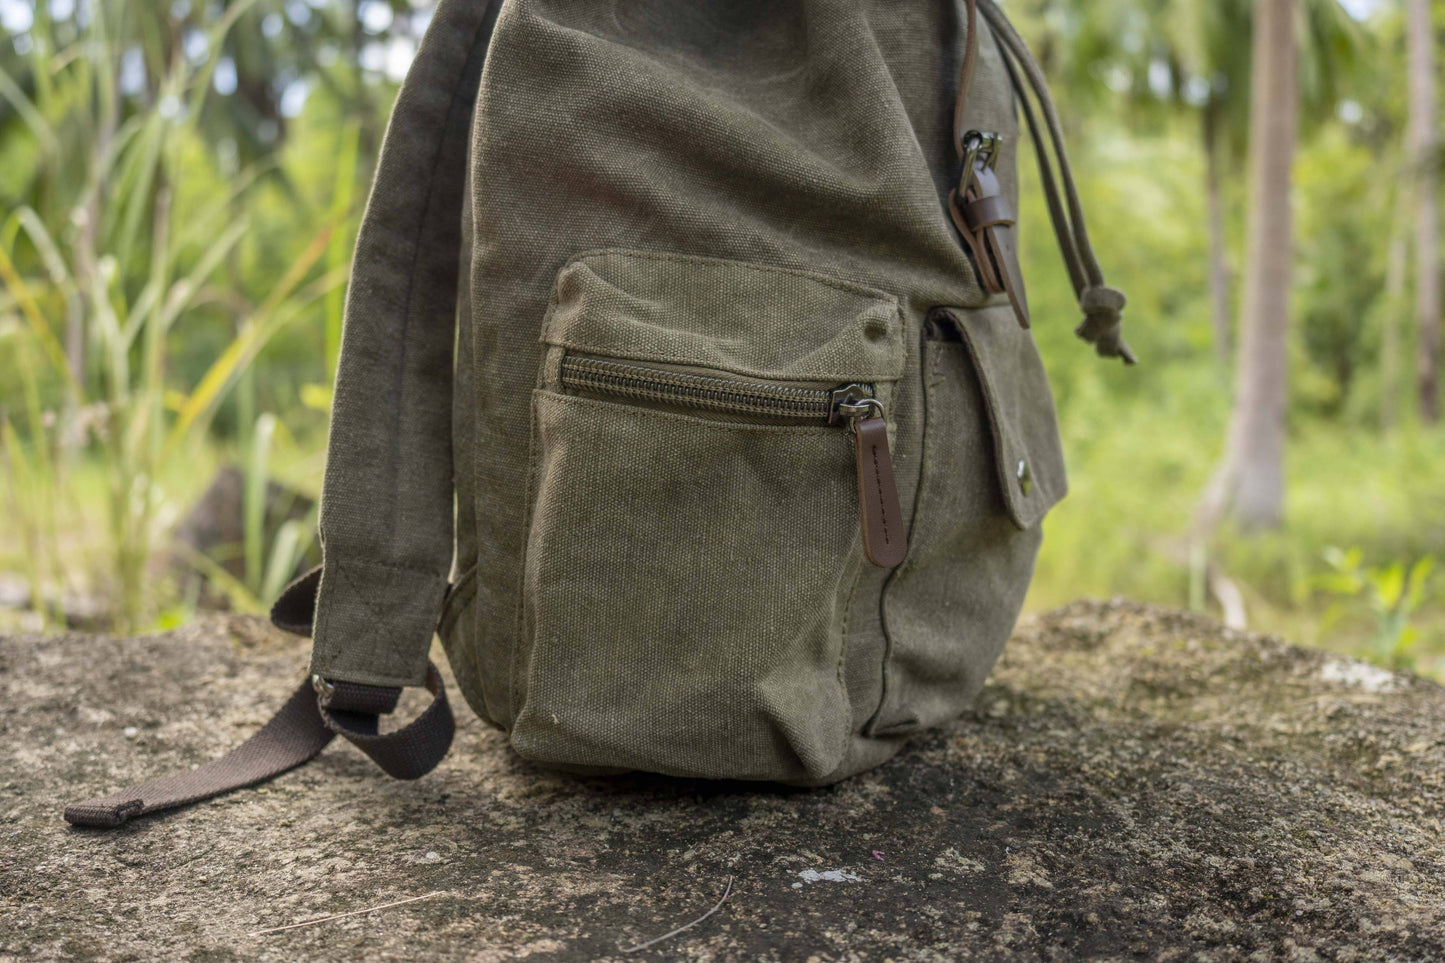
(1254, 485)
(1427, 224)
(1395, 261)
(1219, 281)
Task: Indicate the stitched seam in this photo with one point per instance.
(855, 550)
(377, 608)
(321, 619)
(928, 384)
(482, 642)
(347, 584)
(837, 283)
(354, 596)
(851, 558)
(399, 566)
(534, 458)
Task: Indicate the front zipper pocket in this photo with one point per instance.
(695, 529)
(851, 405)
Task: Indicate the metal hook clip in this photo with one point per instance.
(979, 147)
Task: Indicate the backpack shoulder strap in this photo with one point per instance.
(386, 507)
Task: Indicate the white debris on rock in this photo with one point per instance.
(829, 876)
(1360, 675)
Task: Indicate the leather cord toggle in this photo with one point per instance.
(1103, 308)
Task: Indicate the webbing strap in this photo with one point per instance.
(315, 713)
(386, 513)
(293, 736)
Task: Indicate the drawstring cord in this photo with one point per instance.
(965, 74)
(1102, 305)
(1057, 216)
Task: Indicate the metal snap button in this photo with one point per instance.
(1026, 477)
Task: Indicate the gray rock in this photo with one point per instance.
(14, 591)
(1135, 784)
(82, 611)
(215, 526)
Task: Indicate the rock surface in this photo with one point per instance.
(215, 527)
(1135, 784)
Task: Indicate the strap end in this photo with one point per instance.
(98, 814)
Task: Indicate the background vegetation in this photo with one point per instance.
(180, 185)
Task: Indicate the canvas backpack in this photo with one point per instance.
(687, 391)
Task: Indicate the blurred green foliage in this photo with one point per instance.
(1390, 595)
(269, 129)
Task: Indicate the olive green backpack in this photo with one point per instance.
(687, 389)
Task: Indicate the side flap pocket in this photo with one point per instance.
(1025, 429)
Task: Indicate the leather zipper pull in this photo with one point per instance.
(885, 536)
(885, 539)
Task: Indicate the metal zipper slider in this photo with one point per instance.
(885, 540)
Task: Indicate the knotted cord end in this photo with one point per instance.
(1103, 317)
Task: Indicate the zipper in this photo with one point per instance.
(849, 405)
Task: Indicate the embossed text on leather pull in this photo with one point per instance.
(885, 539)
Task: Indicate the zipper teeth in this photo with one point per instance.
(695, 391)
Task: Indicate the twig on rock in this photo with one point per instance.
(342, 916)
(681, 929)
(1231, 599)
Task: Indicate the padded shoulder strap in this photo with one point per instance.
(386, 513)
(386, 506)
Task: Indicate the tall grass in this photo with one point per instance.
(116, 266)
